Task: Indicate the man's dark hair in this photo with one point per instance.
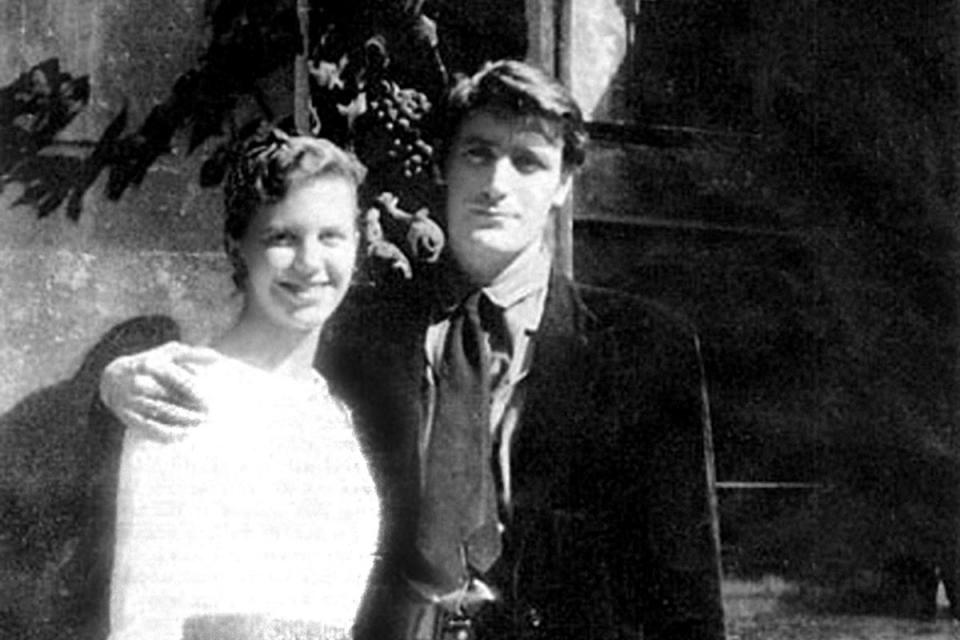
(512, 88)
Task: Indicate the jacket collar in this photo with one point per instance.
(564, 314)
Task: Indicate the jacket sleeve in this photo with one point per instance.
(667, 514)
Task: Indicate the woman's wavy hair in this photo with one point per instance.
(514, 89)
(265, 168)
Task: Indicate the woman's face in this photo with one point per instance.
(300, 254)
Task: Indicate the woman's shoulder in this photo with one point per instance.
(238, 383)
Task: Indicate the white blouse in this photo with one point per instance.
(267, 511)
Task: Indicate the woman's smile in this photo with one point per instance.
(300, 254)
(307, 292)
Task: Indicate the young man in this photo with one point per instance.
(543, 448)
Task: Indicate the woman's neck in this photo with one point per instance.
(285, 352)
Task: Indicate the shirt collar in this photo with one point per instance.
(523, 277)
(529, 272)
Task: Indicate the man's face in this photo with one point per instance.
(504, 174)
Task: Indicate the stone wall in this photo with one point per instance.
(78, 290)
(156, 249)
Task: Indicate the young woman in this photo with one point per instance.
(266, 516)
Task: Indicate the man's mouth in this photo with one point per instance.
(490, 212)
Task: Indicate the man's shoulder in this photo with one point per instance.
(372, 323)
(641, 343)
(369, 309)
(610, 309)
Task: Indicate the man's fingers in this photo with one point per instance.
(156, 391)
(152, 429)
(174, 416)
(167, 380)
(193, 358)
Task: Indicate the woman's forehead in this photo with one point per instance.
(326, 197)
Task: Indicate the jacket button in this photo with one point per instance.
(534, 619)
(457, 629)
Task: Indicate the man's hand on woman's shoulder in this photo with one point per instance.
(154, 391)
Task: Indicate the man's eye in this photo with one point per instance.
(478, 155)
(527, 164)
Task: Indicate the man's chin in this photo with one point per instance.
(498, 243)
(482, 261)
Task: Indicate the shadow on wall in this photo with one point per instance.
(59, 449)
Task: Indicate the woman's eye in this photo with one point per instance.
(330, 237)
(280, 239)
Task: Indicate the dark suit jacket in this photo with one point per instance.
(613, 532)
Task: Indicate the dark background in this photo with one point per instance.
(792, 185)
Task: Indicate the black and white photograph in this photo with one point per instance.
(480, 320)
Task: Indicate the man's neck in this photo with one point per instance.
(534, 258)
(529, 272)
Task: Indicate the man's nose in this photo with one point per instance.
(499, 179)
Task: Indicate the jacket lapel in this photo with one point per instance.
(555, 391)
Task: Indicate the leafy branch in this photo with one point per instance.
(365, 76)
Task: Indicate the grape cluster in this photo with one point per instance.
(399, 113)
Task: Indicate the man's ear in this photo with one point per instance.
(563, 189)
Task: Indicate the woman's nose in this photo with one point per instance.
(309, 257)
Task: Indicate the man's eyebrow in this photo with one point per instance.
(480, 139)
(476, 138)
